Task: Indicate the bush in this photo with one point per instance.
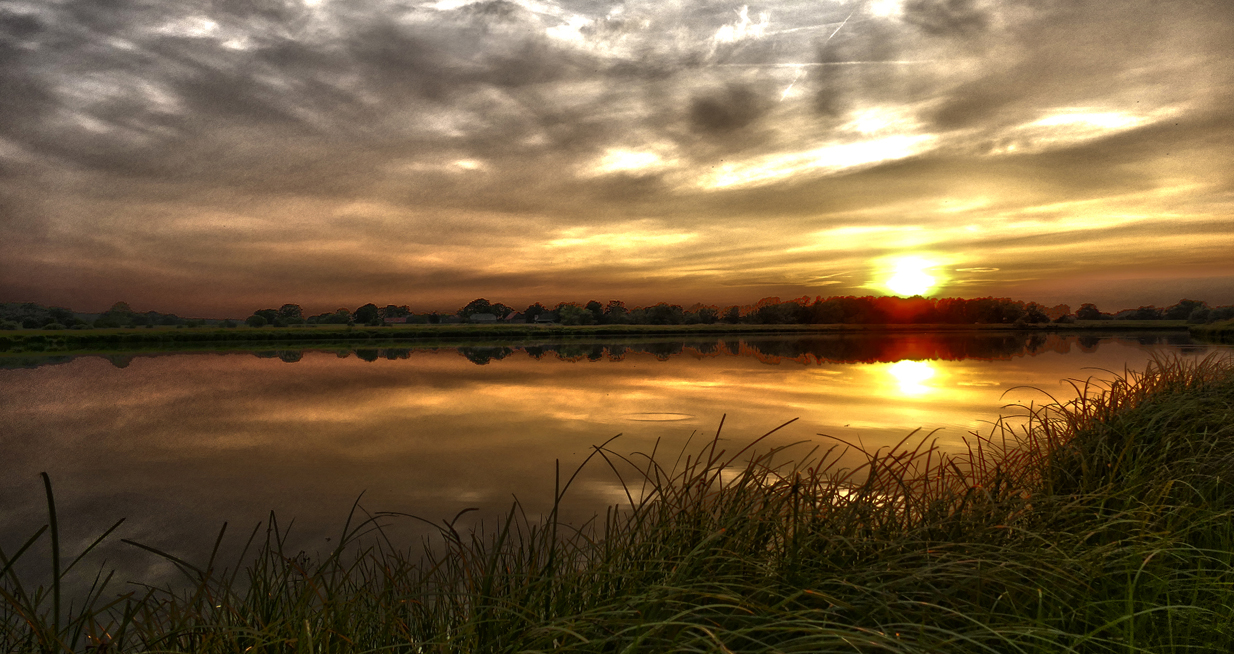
(54, 325)
(255, 321)
(81, 325)
(9, 325)
(229, 323)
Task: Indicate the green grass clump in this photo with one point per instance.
(1222, 331)
(1100, 524)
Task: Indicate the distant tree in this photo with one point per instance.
(1182, 310)
(479, 305)
(229, 323)
(572, 314)
(531, 312)
(665, 314)
(615, 313)
(597, 311)
(290, 312)
(500, 310)
(732, 315)
(368, 314)
(708, 315)
(434, 318)
(256, 320)
(269, 314)
(779, 313)
(1088, 311)
(61, 315)
(1149, 312)
(120, 307)
(1058, 311)
(8, 325)
(1035, 314)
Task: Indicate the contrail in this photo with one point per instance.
(790, 86)
(842, 24)
(798, 75)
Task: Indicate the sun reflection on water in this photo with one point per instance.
(912, 375)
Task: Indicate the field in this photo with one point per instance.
(1103, 524)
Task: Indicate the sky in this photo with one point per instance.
(212, 157)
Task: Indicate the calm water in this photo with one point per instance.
(180, 443)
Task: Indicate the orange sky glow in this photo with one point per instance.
(211, 159)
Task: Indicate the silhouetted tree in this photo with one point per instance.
(480, 305)
(1088, 311)
(615, 313)
(1149, 312)
(572, 314)
(597, 311)
(1182, 310)
(1035, 314)
(256, 320)
(368, 314)
(533, 311)
(664, 314)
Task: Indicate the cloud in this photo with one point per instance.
(727, 110)
(295, 140)
(946, 18)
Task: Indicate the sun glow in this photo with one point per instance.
(912, 375)
(909, 277)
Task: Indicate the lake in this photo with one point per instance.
(180, 443)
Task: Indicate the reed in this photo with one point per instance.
(1096, 524)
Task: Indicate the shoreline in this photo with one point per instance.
(131, 340)
(1102, 526)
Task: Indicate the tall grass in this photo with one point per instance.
(1097, 524)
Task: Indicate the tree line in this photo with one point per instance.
(853, 310)
(768, 311)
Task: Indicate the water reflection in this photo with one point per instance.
(181, 443)
(911, 376)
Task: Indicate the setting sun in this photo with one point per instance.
(909, 277)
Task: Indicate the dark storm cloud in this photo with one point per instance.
(726, 110)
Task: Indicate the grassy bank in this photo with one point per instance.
(168, 339)
(1222, 332)
(1105, 524)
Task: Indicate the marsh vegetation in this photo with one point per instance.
(1099, 524)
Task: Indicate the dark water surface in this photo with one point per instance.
(180, 443)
